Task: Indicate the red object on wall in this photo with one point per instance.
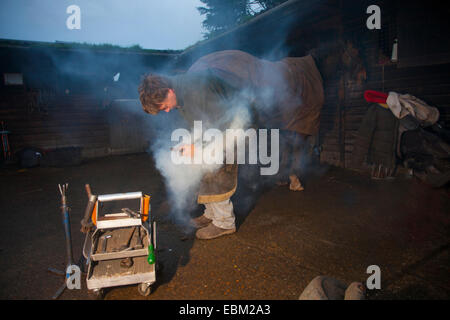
(375, 96)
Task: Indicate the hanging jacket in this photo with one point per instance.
(376, 139)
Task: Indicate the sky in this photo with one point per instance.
(152, 24)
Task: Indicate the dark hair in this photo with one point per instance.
(153, 91)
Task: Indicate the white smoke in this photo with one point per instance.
(183, 180)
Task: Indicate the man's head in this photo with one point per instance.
(156, 94)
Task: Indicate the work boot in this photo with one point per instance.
(355, 291)
(200, 222)
(295, 185)
(211, 232)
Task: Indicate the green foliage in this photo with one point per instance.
(268, 4)
(221, 15)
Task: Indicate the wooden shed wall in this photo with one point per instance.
(42, 114)
(430, 83)
(68, 121)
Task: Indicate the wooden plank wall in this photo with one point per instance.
(429, 83)
(330, 126)
(78, 118)
(68, 121)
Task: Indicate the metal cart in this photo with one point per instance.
(120, 250)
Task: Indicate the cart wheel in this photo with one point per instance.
(96, 294)
(144, 289)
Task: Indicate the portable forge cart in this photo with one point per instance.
(120, 249)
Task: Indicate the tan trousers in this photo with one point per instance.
(221, 213)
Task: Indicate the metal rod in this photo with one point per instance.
(119, 196)
(60, 291)
(88, 190)
(66, 222)
(154, 234)
(56, 271)
(85, 225)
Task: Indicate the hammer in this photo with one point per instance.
(86, 226)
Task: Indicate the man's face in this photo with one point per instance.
(170, 102)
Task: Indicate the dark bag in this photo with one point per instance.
(29, 157)
(427, 153)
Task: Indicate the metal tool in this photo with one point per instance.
(127, 245)
(128, 261)
(5, 143)
(66, 222)
(105, 240)
(86, 226)
(131, 213)
(139, 244)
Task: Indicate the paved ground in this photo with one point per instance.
(342, 223)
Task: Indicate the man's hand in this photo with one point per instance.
(187, 150)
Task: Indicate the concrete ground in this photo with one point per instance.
(339, 225)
